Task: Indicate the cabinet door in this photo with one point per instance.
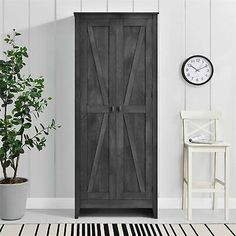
(97, 137)
(134, 116)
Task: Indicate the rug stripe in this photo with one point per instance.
(232, 227)
(229, 229)
(1, 228)
(115, 229)
(118, 230)
(10, 230)
(128, 230)
(132, 229)
(53, 230)
(201, 229)
(137, 230)
(29, 230)
(102, 230)
(125, 230)
(99, 229)
(156, 229)
(147, 230)
(219, 229)
(166, 230)
(58, 229)
(150, 229)
(209, 229)
(193, 229)
(42, 229)
(141, 229)
(162, 229)
(110, 230)
(48, 230)
(182, 229)
(188, 230)
(172, 229)
(178, 230)
(21, 229)
(36, 231)
(61, 230)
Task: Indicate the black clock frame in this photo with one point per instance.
(184, 63)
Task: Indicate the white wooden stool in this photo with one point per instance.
(204, 123)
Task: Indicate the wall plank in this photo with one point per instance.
(198, 42)
(20, 11)
(65, 98)
(120, 6)
(171, 96)
(1, 27)
(42, 54)
(94, 6)
(223, 82)
(146, 6)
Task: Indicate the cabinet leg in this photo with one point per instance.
(77, 213)
(154, 212)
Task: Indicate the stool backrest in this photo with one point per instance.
(200, 123)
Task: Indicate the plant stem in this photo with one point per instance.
(17, 161)
(4, 170)
(5, 128)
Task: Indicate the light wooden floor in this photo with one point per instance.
(119, 216)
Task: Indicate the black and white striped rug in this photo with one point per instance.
(117, 229)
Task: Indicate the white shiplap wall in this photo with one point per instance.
(186, 27)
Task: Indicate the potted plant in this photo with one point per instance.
(22, 101)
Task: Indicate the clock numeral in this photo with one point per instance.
(208, 70)
(189, 65)
(188, 74)
(192, 61)
(198, 60)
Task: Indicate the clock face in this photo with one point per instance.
(197, 70)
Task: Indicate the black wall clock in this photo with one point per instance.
(197, 70)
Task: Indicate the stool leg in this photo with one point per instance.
(214, 182)
(226, 180)
(189, 184)
(183, 184)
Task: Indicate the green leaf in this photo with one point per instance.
(27, 125)
(6, 163)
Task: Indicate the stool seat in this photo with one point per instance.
(203, 123)
(221, 144)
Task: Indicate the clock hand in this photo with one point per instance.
(203, 67)
(194, 68)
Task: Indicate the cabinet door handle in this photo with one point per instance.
(119, 108)
(112, 109)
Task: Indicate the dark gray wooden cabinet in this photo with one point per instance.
(116, 106)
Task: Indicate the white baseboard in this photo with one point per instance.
(164, 203)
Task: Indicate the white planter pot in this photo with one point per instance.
(13, 200)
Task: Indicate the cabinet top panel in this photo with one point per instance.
(114, 15)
